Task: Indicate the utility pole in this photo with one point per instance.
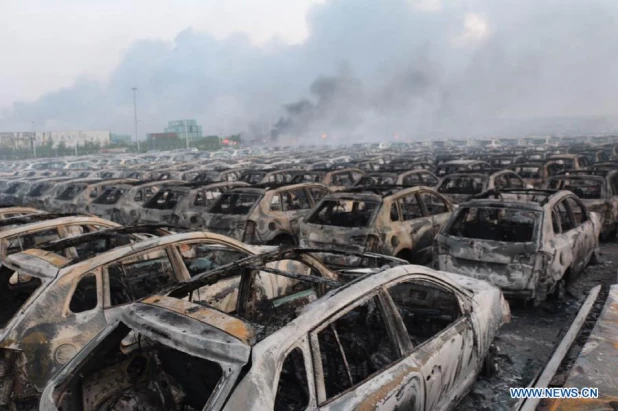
(186, 135)
(135, 115)
(33, 141)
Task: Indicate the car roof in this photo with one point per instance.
(120, 252)
(53, 220)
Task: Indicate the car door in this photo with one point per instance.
(358, 361)
(429, 180)
(295, 204)
(418, 226)
(442, 337)
(500, 182)
(566, 238)
(584, 238)
(137, 276)
(515, 181)
(438, 208)
(81, 320)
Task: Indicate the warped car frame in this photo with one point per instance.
(404, 337)
(390, 220)
(529, 246)
(54, 303)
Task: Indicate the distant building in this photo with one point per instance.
(74, 138)
(17, 140)
(21, 140)
(162, 136)
(120, 138)
(185, 129)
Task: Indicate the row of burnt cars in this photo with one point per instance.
(215, 307)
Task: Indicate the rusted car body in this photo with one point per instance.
(264, 215)
(403, 338)
(190, 208)
(461, 166)
(39, 189)
(44, 201)
(268, 176)
(178, 203)
(397, 222)
(533, 173)
(335, 180)
(564, 162)
(215, 176)
(26, 236)
(77, 195)
(10, 212)
(597, 192)
(528, 247)
(15, 190)
(413, 178)
(122, 202)
(459, 187)
(54, 305)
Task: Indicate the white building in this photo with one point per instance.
(16, 140)
(23, 140)
(73, 138)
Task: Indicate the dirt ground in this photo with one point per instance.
(525, 344)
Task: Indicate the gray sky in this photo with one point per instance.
(48, 44)
(367, 67)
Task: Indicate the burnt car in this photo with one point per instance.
(34, 197)
(217, 176)
(121, 202)
(597, 190)
(77, 195)
(31, 233)
(564, 162)
(44, 200)
(334, 179)
(268, 176)
(53, 304)
(10, 211)
(268, 215)
(179, 203)
(395, 221)
(201, 196)
(15, 190)
(528, 246)
(533, 173)
(460, 187)
(461, 166)
(413, 178)
(405, 337)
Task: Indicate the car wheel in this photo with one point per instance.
(539, 296)
(595, 259)
(117, 217)
(559, 293)
(608, 236)
(490, 366)
(284, 241)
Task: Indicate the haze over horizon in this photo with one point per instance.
(345, 67)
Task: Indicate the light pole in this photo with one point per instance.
(186, 136)
(135, 115)
(33, 141)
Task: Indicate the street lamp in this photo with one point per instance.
(135, 115)
(186, 136)
(33, 140)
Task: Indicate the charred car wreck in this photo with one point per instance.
(529, 247)
(404, 337)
